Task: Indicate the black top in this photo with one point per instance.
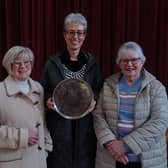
(74, 141)
(73, 65)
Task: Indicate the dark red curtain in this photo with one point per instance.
(38, 24)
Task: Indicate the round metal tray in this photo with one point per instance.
(72, 98)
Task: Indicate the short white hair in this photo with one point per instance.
(75, 18)
(133, 46)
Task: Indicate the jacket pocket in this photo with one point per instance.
(10, 155)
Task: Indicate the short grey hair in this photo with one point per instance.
(133, 46)
(13, 53)
(75, 18)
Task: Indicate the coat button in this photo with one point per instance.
(39, 148)
(35, 103)
(38, 124)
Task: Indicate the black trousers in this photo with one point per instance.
(129, 165)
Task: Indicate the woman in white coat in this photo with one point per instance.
(24, 141)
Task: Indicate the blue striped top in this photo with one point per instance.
(127, 94)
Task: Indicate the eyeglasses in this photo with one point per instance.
(133, 61)
(73, 33)
(25, 63)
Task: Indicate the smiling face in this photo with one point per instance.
(74, 36)
(130, 64)
(21, 67)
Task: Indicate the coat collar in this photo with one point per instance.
(13, 89)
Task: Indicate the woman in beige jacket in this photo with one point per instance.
(24, 141)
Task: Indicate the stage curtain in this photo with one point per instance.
(38, 24)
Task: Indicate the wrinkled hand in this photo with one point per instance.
(33, 137)
(50, 104)
(123, 159)
(116, 149)
(92, 105)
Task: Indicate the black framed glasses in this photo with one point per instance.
(132, 61)
(78, 33)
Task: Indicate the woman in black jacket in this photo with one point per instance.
(74, 140)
